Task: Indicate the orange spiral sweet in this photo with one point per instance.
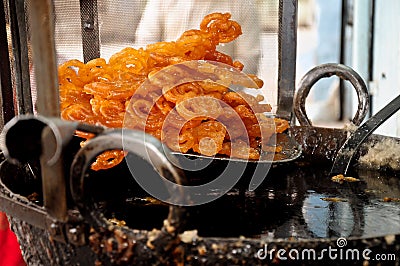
(198, 115)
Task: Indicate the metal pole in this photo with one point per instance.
(7, 98)
(44, 57)
(90, 30)
(19, 38)
(287, 57)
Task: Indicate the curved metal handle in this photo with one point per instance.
(328, 70)
(30, 139)
(137, 142)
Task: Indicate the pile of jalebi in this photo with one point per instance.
(109, 94)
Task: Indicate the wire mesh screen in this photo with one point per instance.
(119, 24)
(86, 29)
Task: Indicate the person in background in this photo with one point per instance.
(166, 20)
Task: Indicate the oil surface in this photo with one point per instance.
(295, 201)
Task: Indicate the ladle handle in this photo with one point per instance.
(347, 151)
(328, 70)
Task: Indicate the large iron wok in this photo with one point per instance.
(82, 217)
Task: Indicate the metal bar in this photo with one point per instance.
(21, 60)
(31, 215)
(53, 178)
(7, 98)
(90, 30)
(44, 57)
(287, 57)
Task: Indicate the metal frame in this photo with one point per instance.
(90, 30)
(287, 57)
(7, 97)
(20, 45)
(41, 15)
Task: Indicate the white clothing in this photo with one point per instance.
(166, 20)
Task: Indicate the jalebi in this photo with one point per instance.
(194, 116)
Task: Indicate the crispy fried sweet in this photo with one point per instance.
(198, 114)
